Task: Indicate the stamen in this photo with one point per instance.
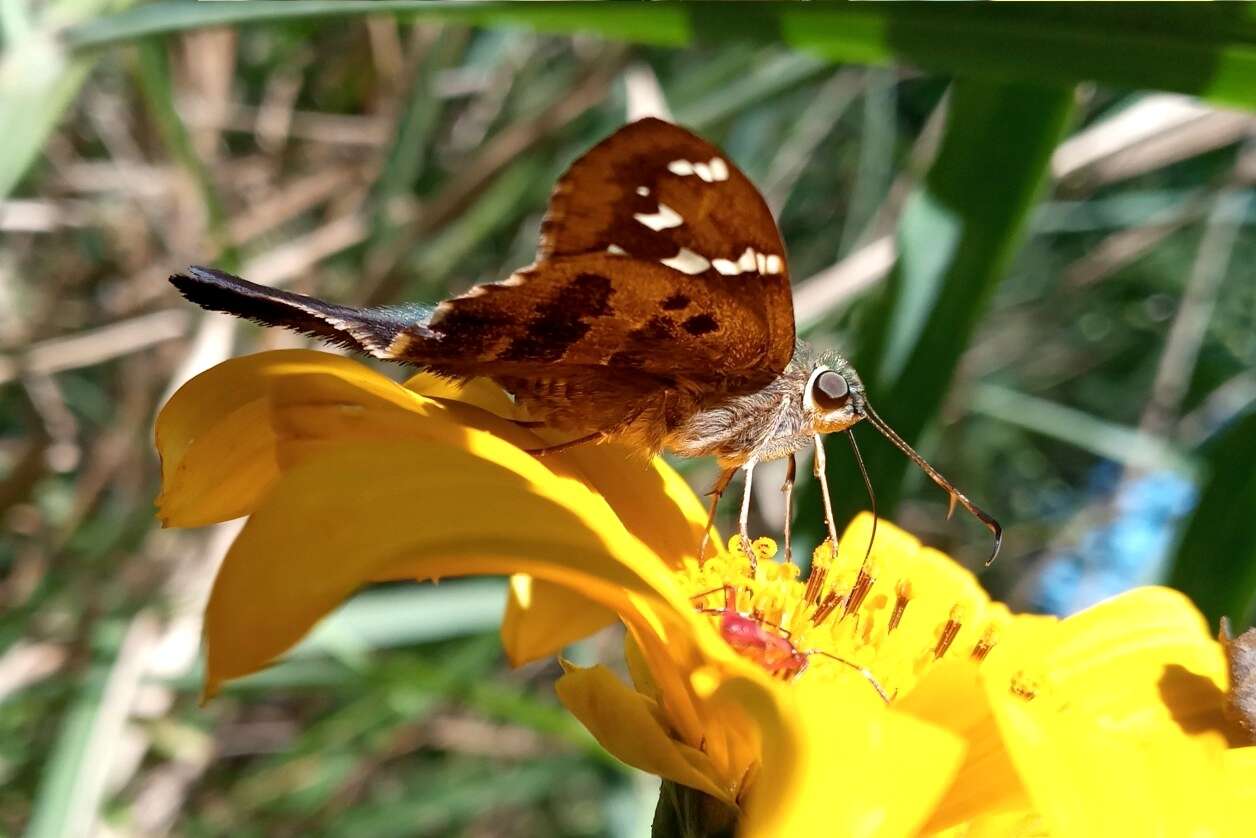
(903, 596)
(764, 550)
(815, 581)
(863, 584)
(983, 646)
(948, 633)
(826, 608)
(944, 642)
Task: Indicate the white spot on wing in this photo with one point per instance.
(688, 262)
(663, 219)
(616, 250)
(749, 261)
(709, 172)
(643, 191)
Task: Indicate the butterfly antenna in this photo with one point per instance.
(872, 496)
(956, 495)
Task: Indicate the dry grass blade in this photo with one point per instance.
(97, 345)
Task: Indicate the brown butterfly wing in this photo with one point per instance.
(598, 310)
(657, 256)
(654, 192)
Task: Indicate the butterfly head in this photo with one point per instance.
(834, 400)
(833, 397)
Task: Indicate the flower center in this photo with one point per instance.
(890, 618)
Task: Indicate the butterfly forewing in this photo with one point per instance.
(688, 265)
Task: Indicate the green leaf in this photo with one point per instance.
(400, 616)
(55, 811)
(1128, 446)
(1215, 563)
(153, 74)
(957, 236)
(37, 81)
(1209, 51)
(416, 129)
(39, 78)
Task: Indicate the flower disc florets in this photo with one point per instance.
(883, 615)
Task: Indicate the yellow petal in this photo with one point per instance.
(418, 509)
(479, 392)
(218, 436)
(1128, 689)
(226, 434)
(220, 414)
(1240, 769)
(835, 759)
(1086, 778)
(231, 465)
(627, 725)
(639, 669)
(951, 696)
(654, 502)
(1144, 660)
(1022, 823)
(541, 618)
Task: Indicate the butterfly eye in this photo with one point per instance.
(830, 391)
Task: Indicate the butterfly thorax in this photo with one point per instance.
(769, 423)
(765, 424)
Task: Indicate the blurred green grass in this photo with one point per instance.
(364, 156)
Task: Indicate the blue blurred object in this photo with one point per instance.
(1124, 552)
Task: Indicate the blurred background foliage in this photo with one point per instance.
(1029, 228)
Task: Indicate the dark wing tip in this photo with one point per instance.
(196, 277)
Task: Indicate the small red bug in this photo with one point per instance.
(769, 644)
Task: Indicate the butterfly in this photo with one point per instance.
(658, 313)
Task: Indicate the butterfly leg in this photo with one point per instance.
(564, 446)
(743, 522)
(788, 488)
(819, 472)
(717, 492)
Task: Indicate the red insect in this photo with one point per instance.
(769, 644)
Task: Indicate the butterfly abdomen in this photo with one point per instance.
(374, 331)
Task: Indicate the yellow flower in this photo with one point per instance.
(881, 698)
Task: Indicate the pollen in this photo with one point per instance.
(888, 614)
